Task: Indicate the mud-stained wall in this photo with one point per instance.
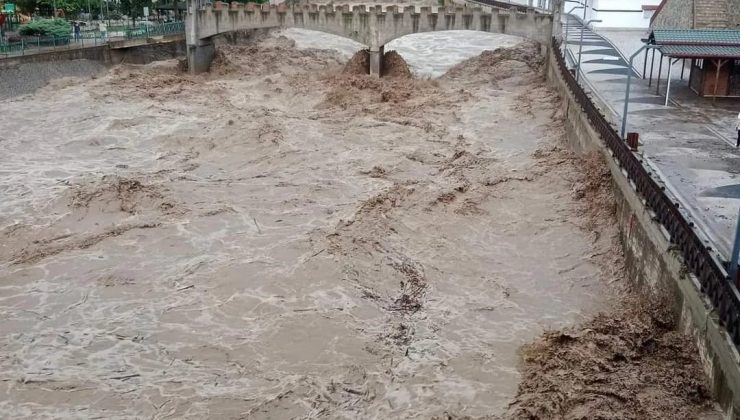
(25, 78)
(146, 54)
(651, 264)
(93, 53)
(141, 54)
(23, 75)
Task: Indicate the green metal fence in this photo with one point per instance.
(147, 31)
(85, 39)
(39, 44)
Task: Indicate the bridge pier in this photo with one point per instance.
(200, 56)
(376, 60)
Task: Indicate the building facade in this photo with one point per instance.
(622, 14)
(697, 14)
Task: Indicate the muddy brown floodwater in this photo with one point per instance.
(282, 239)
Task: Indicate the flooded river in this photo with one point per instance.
(281, 240)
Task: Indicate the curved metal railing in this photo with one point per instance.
(698, 257)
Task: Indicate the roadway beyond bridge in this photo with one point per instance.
(371, 26)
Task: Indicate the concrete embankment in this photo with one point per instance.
(24, 74)
(652, 265)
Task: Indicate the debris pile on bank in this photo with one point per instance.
(629, 363)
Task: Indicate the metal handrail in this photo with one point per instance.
(146, 31)
(698, 257)
(506, 5)
(86, 39)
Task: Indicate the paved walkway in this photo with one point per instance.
(690, 143)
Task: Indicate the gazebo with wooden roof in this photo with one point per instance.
(714, 55)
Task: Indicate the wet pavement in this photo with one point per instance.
(689, 144)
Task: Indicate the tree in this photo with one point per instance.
(72, 8)
(135, 8)
(59, 28)
(26, 7)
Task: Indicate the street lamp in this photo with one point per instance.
(580, 47)
(567, 26)
(629, 83)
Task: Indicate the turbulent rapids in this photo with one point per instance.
(286, 238)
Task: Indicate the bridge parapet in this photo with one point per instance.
(374, 26)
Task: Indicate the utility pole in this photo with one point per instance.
(629, 84)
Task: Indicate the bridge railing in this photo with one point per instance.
(522, 8)
(147, 31)
(86, 39)
(50, 43)
(698, 256)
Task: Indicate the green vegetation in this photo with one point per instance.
(71, 8)
(47, 27)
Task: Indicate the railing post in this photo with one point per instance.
(627, 92)
(735, 254)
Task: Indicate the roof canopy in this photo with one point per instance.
(697, 43)
(708, 37)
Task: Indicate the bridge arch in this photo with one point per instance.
(373, 27)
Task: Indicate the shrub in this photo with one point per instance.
(47, 27)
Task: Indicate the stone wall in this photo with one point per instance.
(698, 14)
(733, 13)
(711, 14)
(675, 14)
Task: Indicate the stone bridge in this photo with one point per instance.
(373, 27)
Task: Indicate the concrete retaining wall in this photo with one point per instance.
(145, 54)
(24, 74)
(651, 263)
(139, 54)
(99, 53)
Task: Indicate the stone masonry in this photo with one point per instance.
(698, 14)
(711, 14)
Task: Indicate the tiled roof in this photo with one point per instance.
(699, 51)
(707, 37)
